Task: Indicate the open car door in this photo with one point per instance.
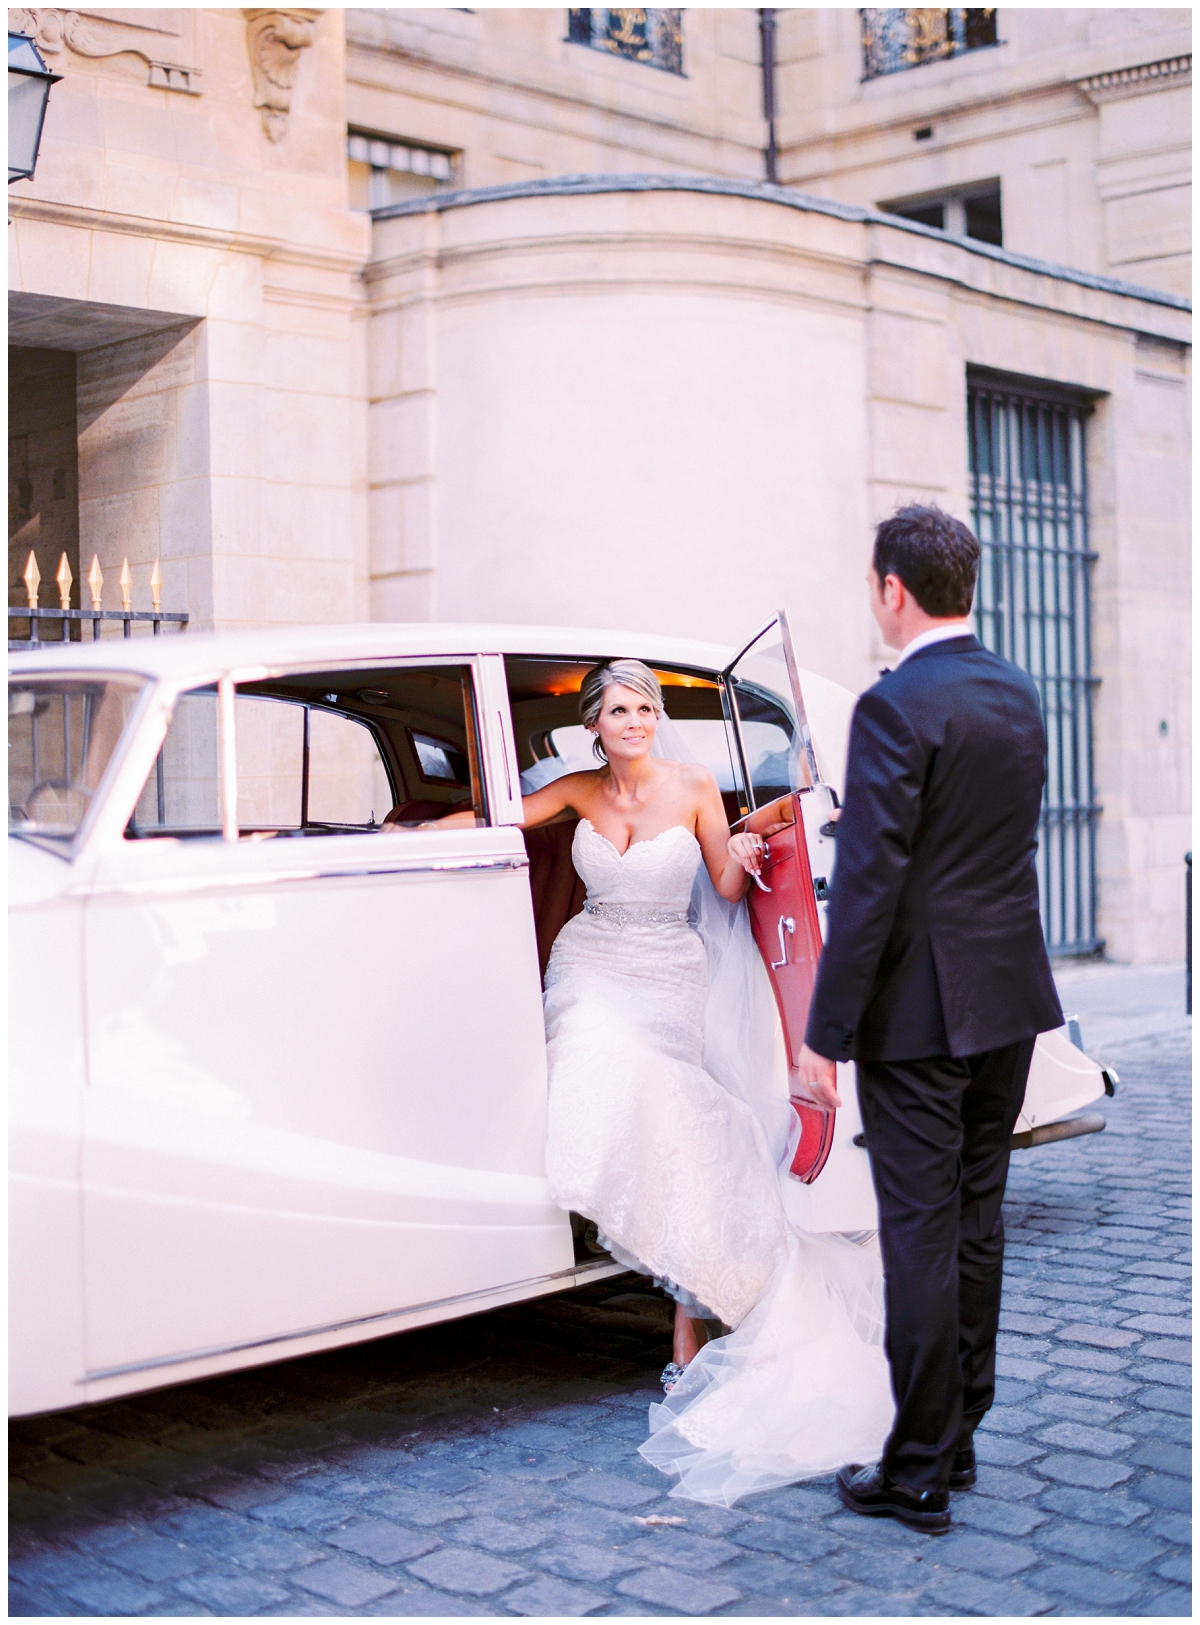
(765, 712)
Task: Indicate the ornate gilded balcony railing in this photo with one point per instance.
(36, 617)
(895, 38)
(640, 34)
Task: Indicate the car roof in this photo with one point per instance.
(175, 657)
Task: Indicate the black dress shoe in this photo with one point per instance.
(870, 1491)
(963, 1473)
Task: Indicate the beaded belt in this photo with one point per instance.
(635, 914)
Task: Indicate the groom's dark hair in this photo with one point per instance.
(935, 556)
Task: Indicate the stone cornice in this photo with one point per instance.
(1123, 82)
(277, 249)
(764, 192)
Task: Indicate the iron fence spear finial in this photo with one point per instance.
(33, 580)
(96, 581)
(64, 579)
(126, 580)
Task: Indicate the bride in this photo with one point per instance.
(666, 1128)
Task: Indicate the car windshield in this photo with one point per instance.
(62, 733)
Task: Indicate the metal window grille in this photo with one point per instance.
(1032, 605)
(642, 35)
(895, 38)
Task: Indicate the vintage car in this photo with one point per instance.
(278, 1077)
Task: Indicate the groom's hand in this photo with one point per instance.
(818, 1076)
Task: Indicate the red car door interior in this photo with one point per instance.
(788, 933)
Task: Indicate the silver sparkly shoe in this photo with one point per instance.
(671, 1375)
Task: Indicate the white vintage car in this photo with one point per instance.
(278, 1077)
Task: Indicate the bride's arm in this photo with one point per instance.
(561, 798)
(730, 859)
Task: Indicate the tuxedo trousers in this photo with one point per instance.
(939, 1132)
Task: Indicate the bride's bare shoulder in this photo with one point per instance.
(695, 778)
(580, 787)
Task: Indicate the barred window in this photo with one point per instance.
(653, 37)
(895, 37)
(1033, 605)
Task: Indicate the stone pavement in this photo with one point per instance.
(489, 1467)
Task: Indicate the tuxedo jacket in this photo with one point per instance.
(934, 944)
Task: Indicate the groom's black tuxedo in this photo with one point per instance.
(935, 979)
(935, 946)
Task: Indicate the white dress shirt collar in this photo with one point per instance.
(936, 634)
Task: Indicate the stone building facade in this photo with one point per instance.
(412, 314)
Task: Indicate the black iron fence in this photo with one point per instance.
(29, 623)
(1033, 605)
(39, 619)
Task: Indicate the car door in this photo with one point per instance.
(316, 1094)
(773, 745)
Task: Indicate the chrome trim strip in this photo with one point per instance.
(159, 886)
(608, 1266)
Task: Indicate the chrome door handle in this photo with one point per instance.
(786, 923)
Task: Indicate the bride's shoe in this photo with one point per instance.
(671, 1375)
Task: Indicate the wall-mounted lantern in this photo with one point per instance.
(29, 81)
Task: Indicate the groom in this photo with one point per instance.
(935, 980)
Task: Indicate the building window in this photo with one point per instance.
(384, 172)
(895, 38)
(965, 212)
(654, 37)
(1033, 605)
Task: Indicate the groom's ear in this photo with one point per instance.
(894, 593)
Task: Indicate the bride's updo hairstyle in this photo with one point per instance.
(619, 673)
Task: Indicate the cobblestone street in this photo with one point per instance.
(489, 1467)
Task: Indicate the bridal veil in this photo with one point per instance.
(800, 1387)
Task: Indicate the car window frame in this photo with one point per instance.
(69, 851)
(227, 682)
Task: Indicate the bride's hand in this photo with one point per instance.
(749, 849)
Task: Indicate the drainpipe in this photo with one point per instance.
(767, 21)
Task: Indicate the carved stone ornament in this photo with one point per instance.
(88, 35)
(275, 40)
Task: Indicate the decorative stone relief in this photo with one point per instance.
(91, 35)
(275, 40)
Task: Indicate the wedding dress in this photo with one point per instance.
(666, 1128)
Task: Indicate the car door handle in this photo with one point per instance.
(786, 923)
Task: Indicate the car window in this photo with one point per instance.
(761, 689)
(182, 796)
(270, 763)
(347, 778)
(62, 733)
(322, 753)
(771, 756)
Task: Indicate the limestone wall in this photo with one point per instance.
(674, 411)
(504, 87)
(196, 252)
(1093, 157)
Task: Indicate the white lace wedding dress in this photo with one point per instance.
(681, 1174)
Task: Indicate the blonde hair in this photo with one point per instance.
(615, 673)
